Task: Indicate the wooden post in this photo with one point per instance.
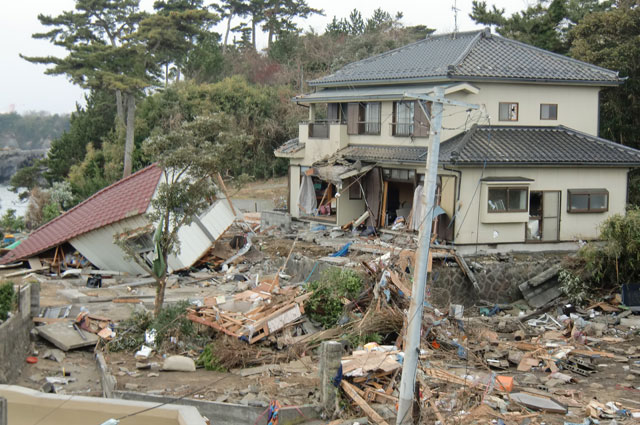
(330, 356)
(226, 194)
(4, 411)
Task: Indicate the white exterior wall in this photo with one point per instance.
(510, 227)
(577, 106)
(577, 109)
(98, 246)
(349, 209)
(318, 148)
(194, 242)
(294, 190)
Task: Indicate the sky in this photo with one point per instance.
(24, 86)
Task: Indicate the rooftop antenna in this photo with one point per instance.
(455, 17)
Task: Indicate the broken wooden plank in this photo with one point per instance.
(353, 395)
(436, 411)
(27, 271)
(49, 320)
(195, 318)
(467, 271)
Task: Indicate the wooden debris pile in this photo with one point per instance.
(369, 376)
(251, 315)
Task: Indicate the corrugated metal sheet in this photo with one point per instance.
(98, 246)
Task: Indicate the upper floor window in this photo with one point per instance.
(508, 199)
(508, 111)
(548, 111)
(587, 200)
(337, 113)
(363, 118)
(409, 119)
(403, 118)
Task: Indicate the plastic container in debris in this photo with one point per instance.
(504, 383)
(631, 296)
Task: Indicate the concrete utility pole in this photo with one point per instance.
(412, 345)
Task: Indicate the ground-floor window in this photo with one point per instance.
(587, 200)
(507, 199)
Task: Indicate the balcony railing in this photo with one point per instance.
(319, 130)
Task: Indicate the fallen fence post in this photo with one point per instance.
(330, 360)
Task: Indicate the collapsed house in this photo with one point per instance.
(119, 210)
(525, 171)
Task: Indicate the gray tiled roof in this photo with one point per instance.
(476, 55)
(503, 145)
(535, 145)
(381, 154)
(290, 146)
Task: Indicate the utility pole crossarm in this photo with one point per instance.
(441, 99)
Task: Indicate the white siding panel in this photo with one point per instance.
(194, 242)
(98, 246)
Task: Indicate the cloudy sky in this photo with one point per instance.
(25, 87)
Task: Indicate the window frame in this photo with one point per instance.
(589, 192)
(508, 189)
(549, 119)
(411, 122)
(355, 194)
(365, 123)
(517, 111)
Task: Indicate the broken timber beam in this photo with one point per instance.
(467, 271)
(353, 394)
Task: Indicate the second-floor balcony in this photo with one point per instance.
(319, 129)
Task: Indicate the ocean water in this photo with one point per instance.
(10, 200)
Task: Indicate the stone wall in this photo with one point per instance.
(498, 278)
(14, 334)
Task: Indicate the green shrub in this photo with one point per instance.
(325, 304)
(574, 287)
(360, 340)
(209, 360)
(172, 321)
(7, 299)
(617, 260)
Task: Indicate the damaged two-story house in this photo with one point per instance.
(525, 171)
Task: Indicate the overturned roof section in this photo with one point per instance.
(125, 198)
(506, 145)
(468, 56)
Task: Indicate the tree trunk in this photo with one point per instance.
(226, 33)
(128, 145)
(166, 75)
(157, 306)
(119, 109)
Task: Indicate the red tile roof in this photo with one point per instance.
(125, 198)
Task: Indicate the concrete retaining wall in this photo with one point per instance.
(227, 413)
(498, 280)
(14, 334)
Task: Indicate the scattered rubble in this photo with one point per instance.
(248, 313)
